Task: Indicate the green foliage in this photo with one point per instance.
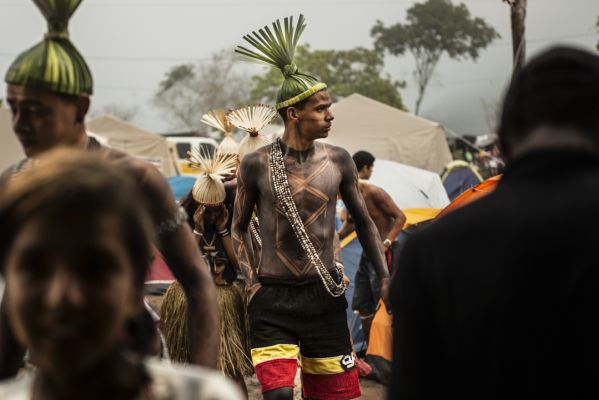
(431, 29)
(188, 91)
(345, 72)
(178, 73)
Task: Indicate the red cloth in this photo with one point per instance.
(343, 386)
(159, 271)
(276, 374)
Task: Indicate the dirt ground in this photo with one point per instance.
(371, 390)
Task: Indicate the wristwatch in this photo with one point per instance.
(387, 243)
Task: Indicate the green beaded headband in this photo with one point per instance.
(54, 64)
(278, 49)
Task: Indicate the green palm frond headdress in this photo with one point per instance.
(278, 49)
(54, 64)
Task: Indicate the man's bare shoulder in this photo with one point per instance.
(373, 191)
(256, 161)
(338, 155)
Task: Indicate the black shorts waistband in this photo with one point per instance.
(296, 280)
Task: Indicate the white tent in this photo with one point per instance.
(10, 148)
(409, 187)
(388, 133)
(134, 141)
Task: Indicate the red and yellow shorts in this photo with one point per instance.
(303, 324)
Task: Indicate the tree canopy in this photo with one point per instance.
(188, 91)
(345, 72)
(434, 28)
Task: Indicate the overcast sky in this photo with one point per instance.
(130, 44)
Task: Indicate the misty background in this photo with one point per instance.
(131, 44)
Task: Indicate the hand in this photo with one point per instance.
(223, 220)
(383, 248)
(385, 284)
(198, 218)
(346, 280)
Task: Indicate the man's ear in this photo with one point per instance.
(82, 104)
(292, 114)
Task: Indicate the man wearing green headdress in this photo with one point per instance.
(297, 304)
(48, 91)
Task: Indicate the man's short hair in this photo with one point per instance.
(559, 88)
(363, 159)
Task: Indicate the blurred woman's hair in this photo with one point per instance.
(84, 187)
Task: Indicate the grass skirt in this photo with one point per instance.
(234, 349)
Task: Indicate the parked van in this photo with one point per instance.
(179, 146)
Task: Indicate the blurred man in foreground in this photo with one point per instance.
(517, 317)
(48, 89)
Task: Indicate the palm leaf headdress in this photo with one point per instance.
(218, 120)
(209, 189)
(276, 48)
(252, 119)
(54, 64)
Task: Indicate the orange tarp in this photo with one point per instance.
(381, 334)
(481, 190)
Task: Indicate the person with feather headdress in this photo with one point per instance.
(210, 224)
(48, 92)
(296, 289)
(217, 119)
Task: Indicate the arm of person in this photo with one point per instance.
(347, 228)
(225, 235)
(365, 228)
(245, 201)
(11, 351)
(179, 248)
(391, 210)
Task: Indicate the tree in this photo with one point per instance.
(518, 19)
(188, 91)
(345, 72)
(432, 29)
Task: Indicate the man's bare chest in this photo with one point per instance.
(312, 184)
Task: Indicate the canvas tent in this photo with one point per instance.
(134, 141)
(408, 186)
(389, 133)
(10, 148)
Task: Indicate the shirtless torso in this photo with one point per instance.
(387, 216)
(315, 176)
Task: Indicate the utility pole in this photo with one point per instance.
(518, 18)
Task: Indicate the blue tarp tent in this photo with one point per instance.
(350, 256)
(181, 185)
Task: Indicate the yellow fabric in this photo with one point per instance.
(263, 354)
(413, 216)
(348, 239)
(417, 215)
(381, 334)
(322, 366)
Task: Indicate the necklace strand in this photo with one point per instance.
(283, 194)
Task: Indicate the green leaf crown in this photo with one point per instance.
(54, 64)
(276, 47)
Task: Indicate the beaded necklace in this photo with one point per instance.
(283, 194)
(254, 226)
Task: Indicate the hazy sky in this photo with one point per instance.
(130, 44)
